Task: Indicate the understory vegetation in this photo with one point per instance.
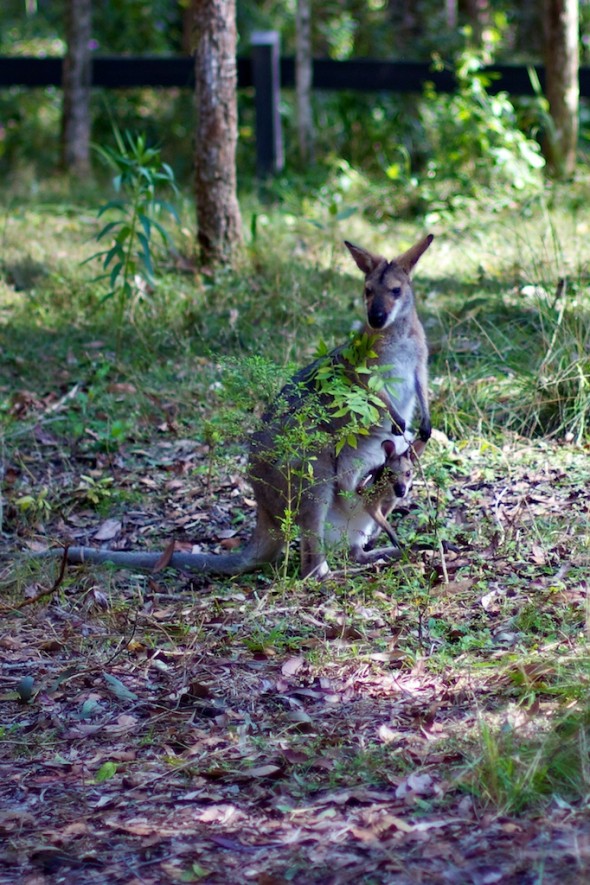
(431, 713)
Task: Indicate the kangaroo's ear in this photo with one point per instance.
(408, 259)
(365, 261)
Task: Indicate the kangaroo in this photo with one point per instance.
(362, 516)
(400, 356)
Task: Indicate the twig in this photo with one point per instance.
(443, 562)
(61, 402)
(561, 293)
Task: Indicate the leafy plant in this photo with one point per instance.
(352, 387)
(474, 136)
(95, 491)
(35, 506)
(129, 261)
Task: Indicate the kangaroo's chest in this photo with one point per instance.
(401, 363)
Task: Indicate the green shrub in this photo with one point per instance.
(473, 137)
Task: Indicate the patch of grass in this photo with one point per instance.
(523, 768)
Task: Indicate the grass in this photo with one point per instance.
(466, 668)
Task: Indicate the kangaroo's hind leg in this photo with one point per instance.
(313, 512)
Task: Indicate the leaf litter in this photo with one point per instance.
(173, 730)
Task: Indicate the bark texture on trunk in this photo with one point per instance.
(218, 213)
(303, 80)
(76, 80)
(562, 87)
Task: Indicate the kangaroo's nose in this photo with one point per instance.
(400, 489)
(377, 317)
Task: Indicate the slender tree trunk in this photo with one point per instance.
(218, 213)
(76, 88)
(451, 14)
(406, 19)
(303, 80)
(477, 13)
(562, 89)
(188, 20)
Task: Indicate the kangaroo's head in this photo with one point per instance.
(388, 290)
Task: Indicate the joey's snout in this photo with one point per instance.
(400, 489)
(402, 479)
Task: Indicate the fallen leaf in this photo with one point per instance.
(420, 784)
(109, 529)
(387, 734)
(119, 689)
(217, 814)
(292, 666)
(262, 771)
(165, 558)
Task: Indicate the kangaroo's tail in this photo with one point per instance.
(256, 553)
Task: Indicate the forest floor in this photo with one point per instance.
(168, 729)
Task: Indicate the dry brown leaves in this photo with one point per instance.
(157, 732)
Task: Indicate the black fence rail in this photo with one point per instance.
(363, 75)
(266, 73)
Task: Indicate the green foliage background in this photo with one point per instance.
(382, 134)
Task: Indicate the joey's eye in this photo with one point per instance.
(396, 291)
(368, 291)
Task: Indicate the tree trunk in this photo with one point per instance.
(451, 14)
(218, 214)
(406, 20)
(188, 14)
(477, 14)
(562, 89)
(303, 80)
(76, 88)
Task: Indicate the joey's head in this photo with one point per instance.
(399, 469)
(403, 476)
(388, 289)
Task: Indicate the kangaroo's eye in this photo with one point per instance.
(368, 291)
(396, 291)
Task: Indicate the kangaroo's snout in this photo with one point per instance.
(377, 317)
(381, 310)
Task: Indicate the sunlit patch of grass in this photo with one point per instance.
(528, 755)
(515, 772)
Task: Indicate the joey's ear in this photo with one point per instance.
(388, 446)
(365, 261)
(408, 259)
(416, 449)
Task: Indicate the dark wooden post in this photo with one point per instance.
(266, 70)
